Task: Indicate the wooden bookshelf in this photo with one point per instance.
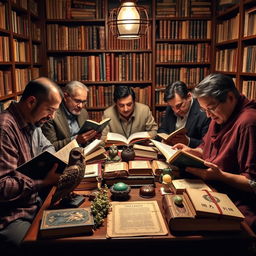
(237, 23)
(21, 46)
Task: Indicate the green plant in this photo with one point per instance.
(100, 206)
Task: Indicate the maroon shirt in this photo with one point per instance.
(232, 146)
(18, 193)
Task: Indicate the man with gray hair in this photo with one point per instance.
(229, 146)
(70, 117)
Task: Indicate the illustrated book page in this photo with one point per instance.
(138, 218)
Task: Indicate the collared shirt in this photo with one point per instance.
(72, 122)
(19, 142)
(181, 122)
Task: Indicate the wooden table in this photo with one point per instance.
(216, 243)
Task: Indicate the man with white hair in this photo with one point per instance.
(70, 117)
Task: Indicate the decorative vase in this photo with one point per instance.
(128, 154)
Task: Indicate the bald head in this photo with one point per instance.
(43, 89)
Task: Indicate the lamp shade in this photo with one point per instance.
(129, 21)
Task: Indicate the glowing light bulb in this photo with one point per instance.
(128, 20)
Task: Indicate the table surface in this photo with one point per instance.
(98, 241)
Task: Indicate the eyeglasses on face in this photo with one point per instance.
(77, 101)
(210, 110)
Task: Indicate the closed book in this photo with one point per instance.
(183, 218)
(133, 181)
(38, 167)
(180, 185)
(138, 167)
(66, 222)
(145, 151)
(115, 170)
(158, 166)
(97, 155)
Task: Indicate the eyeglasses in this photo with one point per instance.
(77, 101)
(210, 110)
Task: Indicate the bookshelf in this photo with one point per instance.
(21, 46)
(182, 45)
(176, 47)
(235, 44)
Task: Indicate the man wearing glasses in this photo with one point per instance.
(183, 111)
(69, 118)
(229, 146)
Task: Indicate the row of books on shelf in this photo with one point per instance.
(21, 51)
(21, 3)
(158, 116)
(4, 49)
(23, 76)
(72, 9)
(35, 31)
(143, 43)
(250, 22)
(167, 52)
(226, 60)
(190, 76)
(5, 83)
(95, 115)
(20, 24)
(183, 8)
(249, 89)
(228, 29)
(189, 29)
(102, 67)
(249, 59)
(61, 37)
(102, 96)
(4, 24)
(36, 53)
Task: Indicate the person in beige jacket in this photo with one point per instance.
(128, 116)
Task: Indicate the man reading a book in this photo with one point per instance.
(128, 116)
(21, 140)
(183, 111)
(228, 147)
(70, 117)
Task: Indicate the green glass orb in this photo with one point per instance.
(178, 200)
(120, 186)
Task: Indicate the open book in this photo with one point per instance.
(167, 137)
(63, 153)
(93, 125)
(38, 167)
(118, 139)
(179, 158)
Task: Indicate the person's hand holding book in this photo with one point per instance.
(52, 177)
(86, 137)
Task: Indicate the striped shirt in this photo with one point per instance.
(19, 142)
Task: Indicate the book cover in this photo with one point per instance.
(97, 155)
(118, 139)
(180, 185)
(179, 158)
(93, 125)
(168, 137)
(39, 166)
(183, 217)
(214, 204)
(139, 167)
(66, 222)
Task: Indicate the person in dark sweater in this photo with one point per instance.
(183, 111)
(228, 147)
